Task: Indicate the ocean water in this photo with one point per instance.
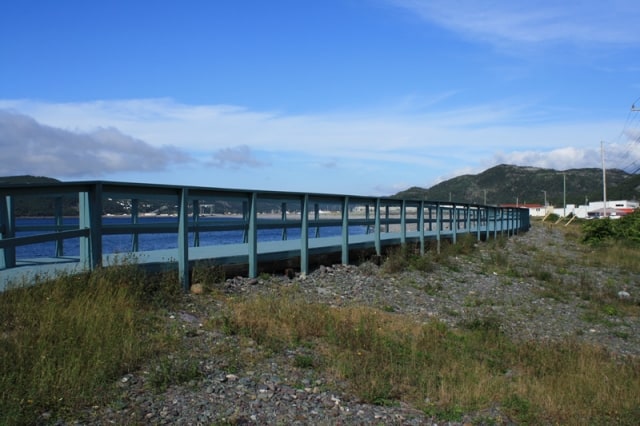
(147, 242)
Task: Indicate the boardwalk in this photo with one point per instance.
(361, 223)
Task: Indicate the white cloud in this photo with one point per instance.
(28, 147)
(235, 157)
(377, 148)
(505, 21)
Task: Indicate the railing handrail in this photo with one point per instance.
(297, 210)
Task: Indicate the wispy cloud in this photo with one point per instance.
(381, 148)
(28, 147)
(235, 157)
(505, 21)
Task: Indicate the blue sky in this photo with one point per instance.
(365, 97)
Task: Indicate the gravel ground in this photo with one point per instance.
(548, 303)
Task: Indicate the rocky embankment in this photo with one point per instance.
(534, 285)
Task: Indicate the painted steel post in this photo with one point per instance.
(135, 219)
(91, 218)
(253, 236)
(421, 225)
(183, 239)
(59, 223)
(345, 231)
(196, 222)
(377, 230)
(7, 230)
(316, 217)
(486, 222)
(386, 217)
(245, 219)
(304, 235)
(454, 222)
(438, 226)
(403, 222)
(283, 217)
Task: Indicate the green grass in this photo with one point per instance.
(387, 358)
(63, 343)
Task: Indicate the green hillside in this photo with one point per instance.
(510, 184)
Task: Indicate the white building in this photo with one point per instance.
(595, 209)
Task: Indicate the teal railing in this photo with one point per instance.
(301, 221)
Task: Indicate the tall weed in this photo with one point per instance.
(64, 342)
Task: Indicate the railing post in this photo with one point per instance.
(59, 223)
(386, 217)
(403, 222)
(421, 225)
(245, 219)
(378, 244)
(487, 229)
(253, 236)
(135, 219)
(283, 217)
(7, 230)
(183, 239)
(345, 231)
(196, 222)
(316, 217)
(438, 226)
(91, 218)
(304, 235)
(454, 223)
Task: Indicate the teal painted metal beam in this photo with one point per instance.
(7, 230)
(135, 212)
(59, 224)
(183, 238)
(421, 226)
(304, 234)
(345, 231)
(403, 222)
(252, 237)
(438, 226)
(90, 203)
(377, 243)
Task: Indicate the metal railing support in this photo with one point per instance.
(403, 222)
(421, 225)
(253, 235)
(183, 238)
(378, 244)
(90, 203)
(59, 218)
(438, 226)
(304, 235)
(345, 231)
(135, 219)
(7, 230)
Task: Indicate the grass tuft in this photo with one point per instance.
(63, 343)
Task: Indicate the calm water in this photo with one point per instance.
(122, 243)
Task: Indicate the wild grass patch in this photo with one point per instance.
(388, 358)
(63, 343)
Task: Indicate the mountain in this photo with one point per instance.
(26, 179)
(510, 184)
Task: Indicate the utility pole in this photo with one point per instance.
(545, 199)
(485, 197)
